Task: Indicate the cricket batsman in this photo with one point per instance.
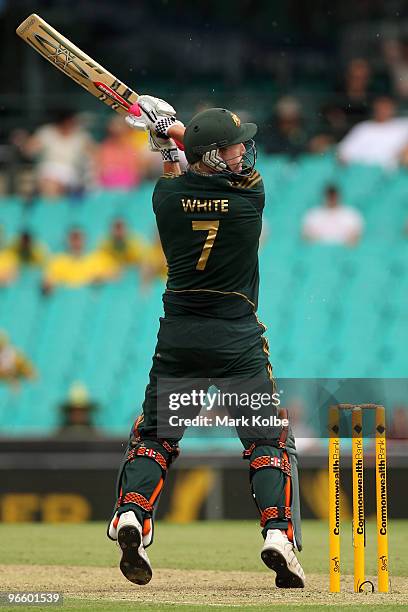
(209, 220)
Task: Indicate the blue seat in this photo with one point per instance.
(330, 311)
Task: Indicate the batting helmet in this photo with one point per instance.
(213, 129)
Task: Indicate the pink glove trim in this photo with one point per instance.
(135, 110)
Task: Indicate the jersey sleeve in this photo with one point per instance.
(252, 188)
(165, 186)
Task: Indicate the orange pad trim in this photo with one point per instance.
(266, 461)
(275, 512)
(135, 498)
(156, 491)
(288, 495)
(147, 525)
(142, 451)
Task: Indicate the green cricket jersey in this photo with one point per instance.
(209, 228)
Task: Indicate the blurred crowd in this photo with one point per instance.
(63, 158)
(363, 120)
(76, 266)
(329, 222)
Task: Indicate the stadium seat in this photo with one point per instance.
(330, 311)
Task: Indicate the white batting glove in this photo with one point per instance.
(166, 146)
(157, 116)
(153, 114)
(156, 105)
(146, 111)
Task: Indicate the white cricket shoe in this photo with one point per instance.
(135, 564)
(278, 554)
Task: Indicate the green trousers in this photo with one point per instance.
(219, 350)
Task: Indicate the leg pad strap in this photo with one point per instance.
(266, 461)
(142, 451)
(173, 449)
(275, 512)
(135, 498)
(274, 443)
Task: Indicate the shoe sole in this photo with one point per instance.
(285, 579)
(132, 565)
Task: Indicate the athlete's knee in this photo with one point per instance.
(163, 451)
(267, 454)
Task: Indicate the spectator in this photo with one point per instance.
(154, 262)
(123, 246)
(332, 129)
(8, 263)
(76, 268)
(118, 165)
(27, 250)
(77, 414)
(63, 152)
(285, 132)
(353, 92)
(332, 222)
(396, 57)
(14, 365)
(139, 141)
(20, 168)
(351, 105)
(380, 141)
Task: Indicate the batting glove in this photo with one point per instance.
(166, 146)
(157, 116)
(153, 114)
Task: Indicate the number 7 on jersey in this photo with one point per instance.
(212, 228)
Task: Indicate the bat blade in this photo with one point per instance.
(73, 62)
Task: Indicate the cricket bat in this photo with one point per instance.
(73, 62)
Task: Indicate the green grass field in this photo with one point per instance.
(199, 567)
